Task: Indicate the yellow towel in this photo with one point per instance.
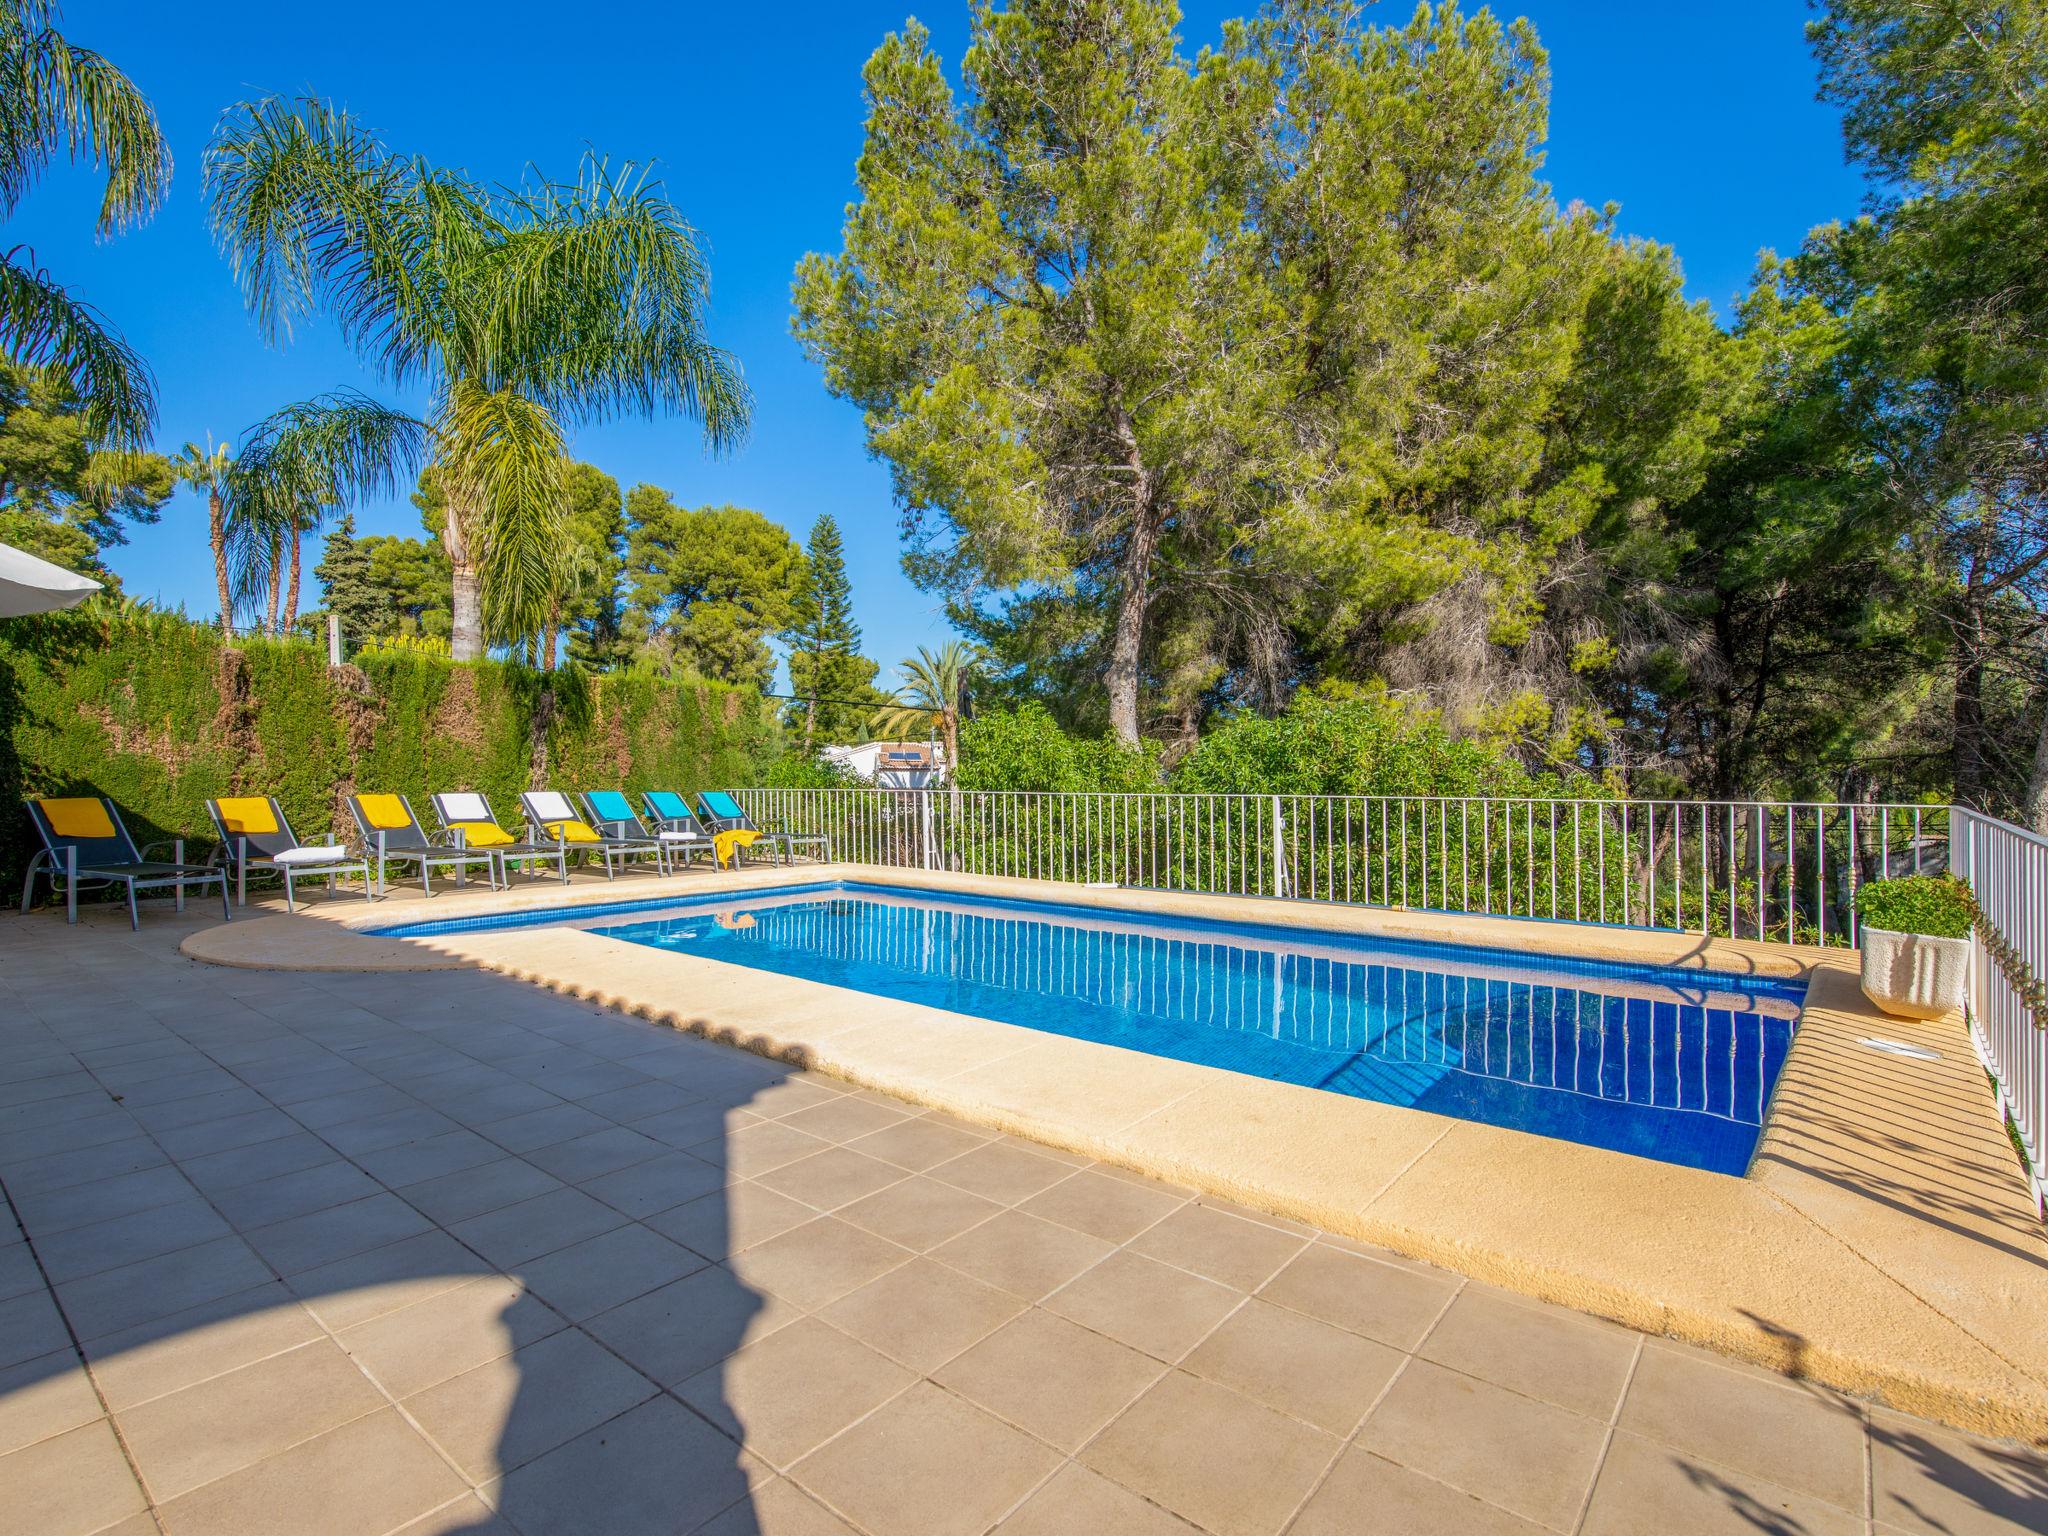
(569, 832)
(81, 819)
(249, 816)
(482, 834)
(725, 846)
(385, 813)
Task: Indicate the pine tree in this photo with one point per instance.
(834, 682)
(349, 580)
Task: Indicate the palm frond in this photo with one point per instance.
(504, 456)
(57, 98)
(314, 213)
(596, 301)
(42, 325)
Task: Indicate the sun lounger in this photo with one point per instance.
(677, 825)
(720, 812)
(613, 815)
(255, 835)
(550, 815)
(85, 842)
(390, 830)
(469, 819)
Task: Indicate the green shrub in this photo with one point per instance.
(157, 713)
(1024, 748)
(1935, 905)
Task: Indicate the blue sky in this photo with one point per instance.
(1700, 121)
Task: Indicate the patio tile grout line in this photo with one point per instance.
(1607, 1440)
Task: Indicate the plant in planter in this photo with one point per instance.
(1916, 944)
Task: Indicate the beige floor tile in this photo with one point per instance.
(1364, 1493)
(607, 1270)
(1539, 1351)
(1148, 1305)
(784, 1395)
(1219, 1246)
(340, 1232)
(44, 1397)
(1647, 1489)
(792, 1094)
(513, 1234)
(846, 1118)
(1002, 1171)
(919, 1213)
(412, 1349)
(1022, 1254)
(659, 1184)
(503, 1413)
(832, 1178)
(208, 1430)
(31, 1326)
(466, 1516)
(731, 1220)
(1045, 1149)
(1226, 1463)
(1078, 1501)
(1807, 1441)
(1394, 1306)
(818, 1262)
(926, 1464)
(67, 1485)
(1296, 1364)
(141, 1363)
(1533, 1458)
(752, 1150)
(1060, 1381)
(1114, 1210)
(363, 1479)
(923, 1313)
(778, 1508)
(121, 1298)
(385, 1279)
(677, 1331)
(1927, 1479)
(653, 1471)
(919, 1144)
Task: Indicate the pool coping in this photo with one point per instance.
(1882, 1243)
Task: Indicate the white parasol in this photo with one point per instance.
(29, 585)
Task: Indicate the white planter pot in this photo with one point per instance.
(1912, 976)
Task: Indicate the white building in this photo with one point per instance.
(892, 764)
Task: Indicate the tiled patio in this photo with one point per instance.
(443, 1252)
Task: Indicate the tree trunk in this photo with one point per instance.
(276, 583)
(466, 634)
(217, 534)
(2037, 781)
(1121, 675)
(1970, 770)
(291, 592)
(547, 643)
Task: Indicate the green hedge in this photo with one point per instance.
(156, 713)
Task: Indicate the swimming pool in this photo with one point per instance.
(1671, 1064)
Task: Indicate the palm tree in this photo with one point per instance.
(207, 471)
(934, 688)
(295, 466)
(58, 99)
(523, 310)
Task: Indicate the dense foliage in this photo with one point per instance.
(158, 713)
(1204, 381)
(1935, 905)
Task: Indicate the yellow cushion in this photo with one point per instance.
(570, 832)
(385, 813)
(247, 817)
(481, 834)
(83, 818)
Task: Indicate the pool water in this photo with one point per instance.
(1670, 1064)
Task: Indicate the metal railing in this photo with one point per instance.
(1771, 870)
(2008, 870)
